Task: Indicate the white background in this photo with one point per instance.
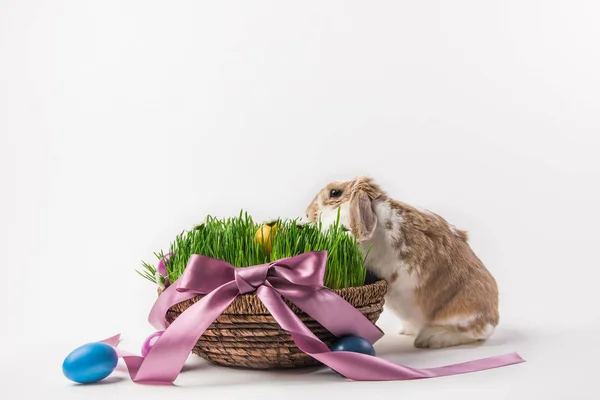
(124, 122)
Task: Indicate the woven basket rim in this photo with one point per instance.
(250, 304)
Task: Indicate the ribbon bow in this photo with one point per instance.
(299, 279)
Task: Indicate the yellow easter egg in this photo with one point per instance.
(265, 234)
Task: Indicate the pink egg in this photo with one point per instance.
(149, 342)
(161, 267)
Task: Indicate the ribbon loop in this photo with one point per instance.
(203, 274)
(307, 269)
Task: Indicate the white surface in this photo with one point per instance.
(123, 122)
(560, 365)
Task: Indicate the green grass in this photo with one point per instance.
(233, 240)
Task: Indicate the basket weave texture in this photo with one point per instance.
(246, 335)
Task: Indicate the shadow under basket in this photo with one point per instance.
(247, 336)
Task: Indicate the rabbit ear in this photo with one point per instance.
(362, 218)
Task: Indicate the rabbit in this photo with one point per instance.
(437, 286)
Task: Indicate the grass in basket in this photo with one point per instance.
(233, 240)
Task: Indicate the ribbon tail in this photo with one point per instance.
(167, 356)
(132, 361)
(333, 312)
(113, 340)
(363, 367)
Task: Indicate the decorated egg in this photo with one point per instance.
(149, 342)
(264, 235)
(91, 362)
(355, 344)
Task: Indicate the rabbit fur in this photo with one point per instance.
(437, 286)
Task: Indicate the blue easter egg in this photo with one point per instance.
(355, 344)
(89, 363)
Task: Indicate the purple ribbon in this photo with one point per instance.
(299, 279)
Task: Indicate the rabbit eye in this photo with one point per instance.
(335, 193)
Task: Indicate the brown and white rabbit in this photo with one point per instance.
(437, 286)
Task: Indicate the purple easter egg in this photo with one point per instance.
(161, 268)
(149, 342)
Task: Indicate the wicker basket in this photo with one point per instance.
(246, 335)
